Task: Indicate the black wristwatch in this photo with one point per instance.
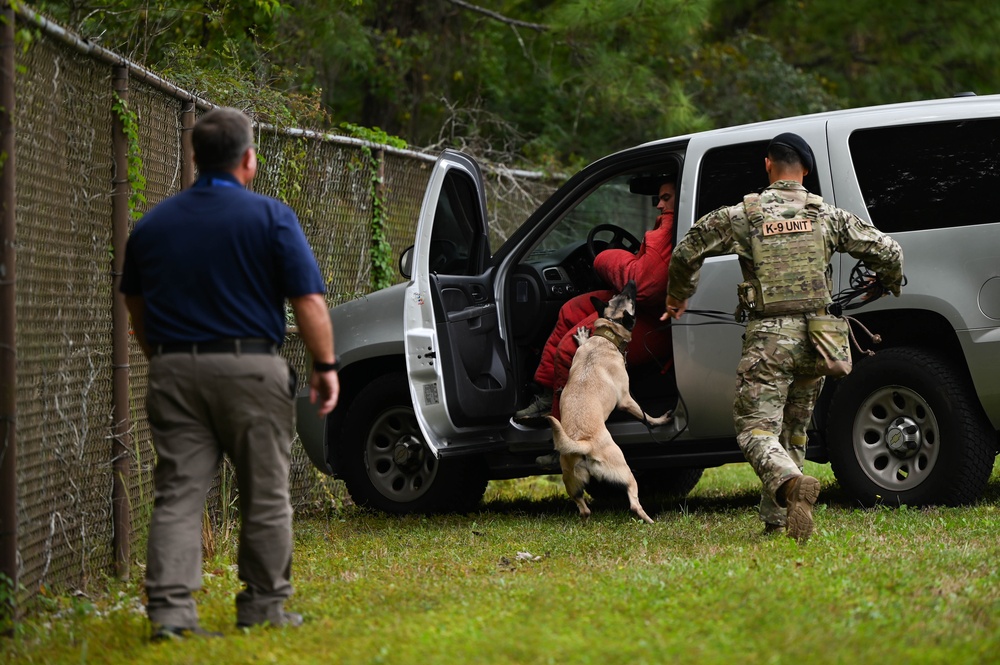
(326, 367)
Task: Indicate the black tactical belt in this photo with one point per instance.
(237, 346)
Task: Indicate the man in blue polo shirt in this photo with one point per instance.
(206, 275)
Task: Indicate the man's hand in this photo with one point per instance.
(674, 308)
(316, 331)
(324, 388)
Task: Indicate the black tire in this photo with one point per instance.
(665, 484)
(906, 427)
(388, 466)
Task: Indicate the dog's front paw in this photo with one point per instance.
(582, 335)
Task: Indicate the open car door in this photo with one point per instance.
(456, 359)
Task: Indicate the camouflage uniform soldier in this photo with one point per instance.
(784, 238)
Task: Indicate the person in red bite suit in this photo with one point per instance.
(648, 268)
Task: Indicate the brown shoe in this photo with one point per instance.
(800, 495)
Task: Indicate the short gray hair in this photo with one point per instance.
(220, 138)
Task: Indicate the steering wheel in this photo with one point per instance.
(620, 239)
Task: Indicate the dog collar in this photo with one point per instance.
(607, 333)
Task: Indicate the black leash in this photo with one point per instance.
(863, 283)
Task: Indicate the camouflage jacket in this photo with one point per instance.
(727, 231)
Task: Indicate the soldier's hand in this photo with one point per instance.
(873, 289)
(674, 308)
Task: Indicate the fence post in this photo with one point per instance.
(187, 152)
(8, 328)
(121, 517)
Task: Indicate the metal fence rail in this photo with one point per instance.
(68, 442)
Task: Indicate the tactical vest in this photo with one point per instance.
(791, 273)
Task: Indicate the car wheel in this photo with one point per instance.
(662, 484)
(387, 464)
(906, 427)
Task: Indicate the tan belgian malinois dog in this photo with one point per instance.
(597, 385)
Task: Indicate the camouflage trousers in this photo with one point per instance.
(776, 391)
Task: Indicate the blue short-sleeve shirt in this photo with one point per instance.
(217, 261)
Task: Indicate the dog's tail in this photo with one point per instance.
(564, 443)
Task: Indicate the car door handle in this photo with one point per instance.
(470, 313)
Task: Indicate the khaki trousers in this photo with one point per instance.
(201, 407)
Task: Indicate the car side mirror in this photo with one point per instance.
(406, 262)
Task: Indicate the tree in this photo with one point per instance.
(546, 78)
(557, 82)
(878, 52)
(745, 79)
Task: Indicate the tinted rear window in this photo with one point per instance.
(929, 176)
(731, 172)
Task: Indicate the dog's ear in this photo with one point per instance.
(629, 290)
(599, 306)
(628, 320)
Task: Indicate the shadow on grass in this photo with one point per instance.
(610, 502)
(560, 504)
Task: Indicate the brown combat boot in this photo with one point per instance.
(800, 496)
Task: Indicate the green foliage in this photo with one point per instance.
(554, 84)
(146, 31)
(8, 604)
(874, 53)
(136, 177)
(222, 50)
(380, 250)
(374, 135)
(745, 79)
(233, 82)
(613, 61)
(292, 167)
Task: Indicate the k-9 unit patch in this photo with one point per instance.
(776, 227)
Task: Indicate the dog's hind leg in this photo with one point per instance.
(614, 469)
(575, 477)
(633, 500)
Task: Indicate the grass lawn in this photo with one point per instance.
(524, 581)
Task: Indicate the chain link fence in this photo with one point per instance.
(63, 300)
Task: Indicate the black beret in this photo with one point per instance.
(649, 185)
(799, 145)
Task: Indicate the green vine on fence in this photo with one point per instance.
(381, 250)
(8, 604)
(130, 127)
(292, 170)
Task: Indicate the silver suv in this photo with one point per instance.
(434, 368)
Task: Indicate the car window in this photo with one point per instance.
(610, 203)
(731, 172)
(455, 222)
(928, 176)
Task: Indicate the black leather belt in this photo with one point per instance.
(237, 346)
